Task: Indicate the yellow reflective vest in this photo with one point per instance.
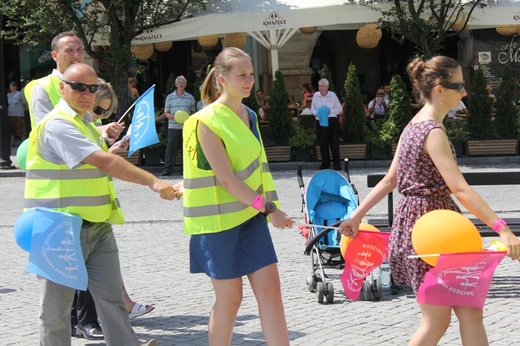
(51, 84)
(209, 207)
(85, 191)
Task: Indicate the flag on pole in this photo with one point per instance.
(56, 249)
(366, 252)
(460, 279)
(144, 132)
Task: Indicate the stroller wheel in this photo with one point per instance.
(330, 293)
(366, 291)
(311, 283)
(320, 292)
(377, 290)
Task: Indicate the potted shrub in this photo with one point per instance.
(353, 130)
(303, 143)
(458, 135)
(280, 127)
(482, 142)
(385, 132)
(506, 112)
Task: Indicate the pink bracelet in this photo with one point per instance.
(498, 225)
(258, 202)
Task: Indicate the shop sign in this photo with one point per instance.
(274, 20)
(149, 35)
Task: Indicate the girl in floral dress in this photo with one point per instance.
(425, 172)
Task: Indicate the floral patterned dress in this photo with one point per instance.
(423, 189)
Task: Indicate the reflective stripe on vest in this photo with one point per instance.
(208, 206)
(85, 190)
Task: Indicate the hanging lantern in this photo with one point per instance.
(208, 41)
(460, 23)
(506, 30)
(368, 36)
(142, 52)
(163, 46)
(236, 39)
(308, 29)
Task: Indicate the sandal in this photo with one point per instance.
(140, 310)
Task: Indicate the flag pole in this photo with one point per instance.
(133, 104)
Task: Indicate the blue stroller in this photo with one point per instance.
(328, 199)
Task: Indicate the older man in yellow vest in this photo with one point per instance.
(68, 170)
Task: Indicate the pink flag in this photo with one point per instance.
(367, 251)
(460, 279)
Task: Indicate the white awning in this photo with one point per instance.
(274, 23)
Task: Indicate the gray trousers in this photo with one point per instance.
(104, 282)
(172, 145)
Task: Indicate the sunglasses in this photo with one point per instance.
(101, 111)
(81, 87)
(454, 86)
(380, 93)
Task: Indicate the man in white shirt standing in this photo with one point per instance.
(326, 107)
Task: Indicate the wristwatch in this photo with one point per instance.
(269, 208)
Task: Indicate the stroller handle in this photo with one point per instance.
(299, 175)
(320, 235)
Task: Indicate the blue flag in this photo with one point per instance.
(143, 123)
(56, 249)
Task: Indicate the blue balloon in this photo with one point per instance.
(23, 229)
(21, 154)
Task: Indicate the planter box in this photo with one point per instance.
(303, 154)
(152, 157)
(134, 159)
(351, 151)
(493, 147)
(279, 153)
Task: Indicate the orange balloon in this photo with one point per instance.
(444, 231)
(343, 244)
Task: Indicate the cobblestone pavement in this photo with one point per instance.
(154, 257)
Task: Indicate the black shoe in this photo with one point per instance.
(91, 331)
(337, 168)
(74, 332)
(165, 174)
(324, 167)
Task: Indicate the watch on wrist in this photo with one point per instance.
(269, 208)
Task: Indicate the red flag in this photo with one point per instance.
(460, 279)
(366, 252)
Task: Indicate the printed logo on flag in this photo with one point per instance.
(461, 279)
(367, 251)
(143, 131)
(56, 249)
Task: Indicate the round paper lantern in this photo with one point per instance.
(181, 116)
(459, 24)
(236, 39)
(308, 29)
(368, 36)
(345, 241)
(21, 154)
(142, 52)
(23, 229)
(506, 30)
(208, 41)
(442, 232)
(163, 46)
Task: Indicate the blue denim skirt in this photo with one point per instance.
(235, 252)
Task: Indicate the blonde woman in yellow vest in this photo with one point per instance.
(228, 193)
(69, 170)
